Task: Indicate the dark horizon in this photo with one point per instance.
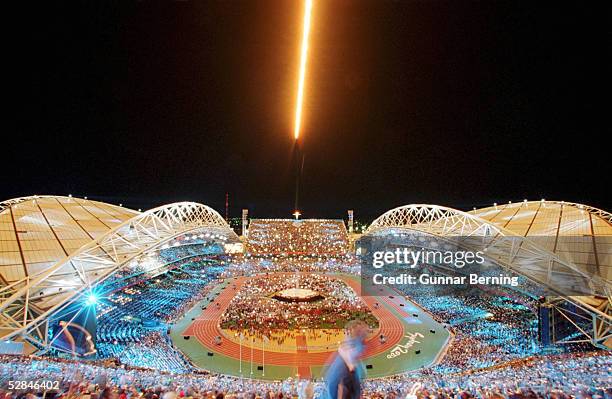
(461, 104)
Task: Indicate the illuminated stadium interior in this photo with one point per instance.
(367, 104)
(175, 289)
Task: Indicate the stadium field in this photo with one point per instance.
(413, 340)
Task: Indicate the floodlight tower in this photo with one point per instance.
(245, 222)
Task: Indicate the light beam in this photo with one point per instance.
(92, 299)
(303, 57)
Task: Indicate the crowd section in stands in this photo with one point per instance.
(132, 321)
(578, 375)
(250, 265)
(489, 327)
(188, 247)
(255, 307)
(293, 237)
(153, 350)
(153, 263)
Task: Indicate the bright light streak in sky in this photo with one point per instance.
(303, 57)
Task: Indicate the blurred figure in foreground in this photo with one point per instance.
(344, 375)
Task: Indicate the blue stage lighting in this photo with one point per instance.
(91, 299)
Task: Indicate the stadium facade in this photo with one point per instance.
(56, 250)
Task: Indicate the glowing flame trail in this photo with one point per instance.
(300, 93)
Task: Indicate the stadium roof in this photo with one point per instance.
(36, 232)
(559, 245)
(562, 246)
(576, 233)
(55, 249)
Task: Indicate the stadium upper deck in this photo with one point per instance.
(297, 237)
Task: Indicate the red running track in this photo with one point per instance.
(205, 328)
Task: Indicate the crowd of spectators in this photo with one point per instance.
(256, 306)
(576, 375)
(132, 321)
(154, 350)
(489, 328)
(249, 265)
(294, 237)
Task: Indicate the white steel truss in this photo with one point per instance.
(13, 201)
(509, 250)
(26, 304)
(586, 328)
(607, 216)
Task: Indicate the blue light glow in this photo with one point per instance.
(91, 299)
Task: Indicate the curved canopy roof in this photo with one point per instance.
(558, 245)
(576, 233)
(36, 232)
(75, 245)
(510, 246)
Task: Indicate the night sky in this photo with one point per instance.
(452, 102)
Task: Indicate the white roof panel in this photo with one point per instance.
(44, 229)
(578, 233)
